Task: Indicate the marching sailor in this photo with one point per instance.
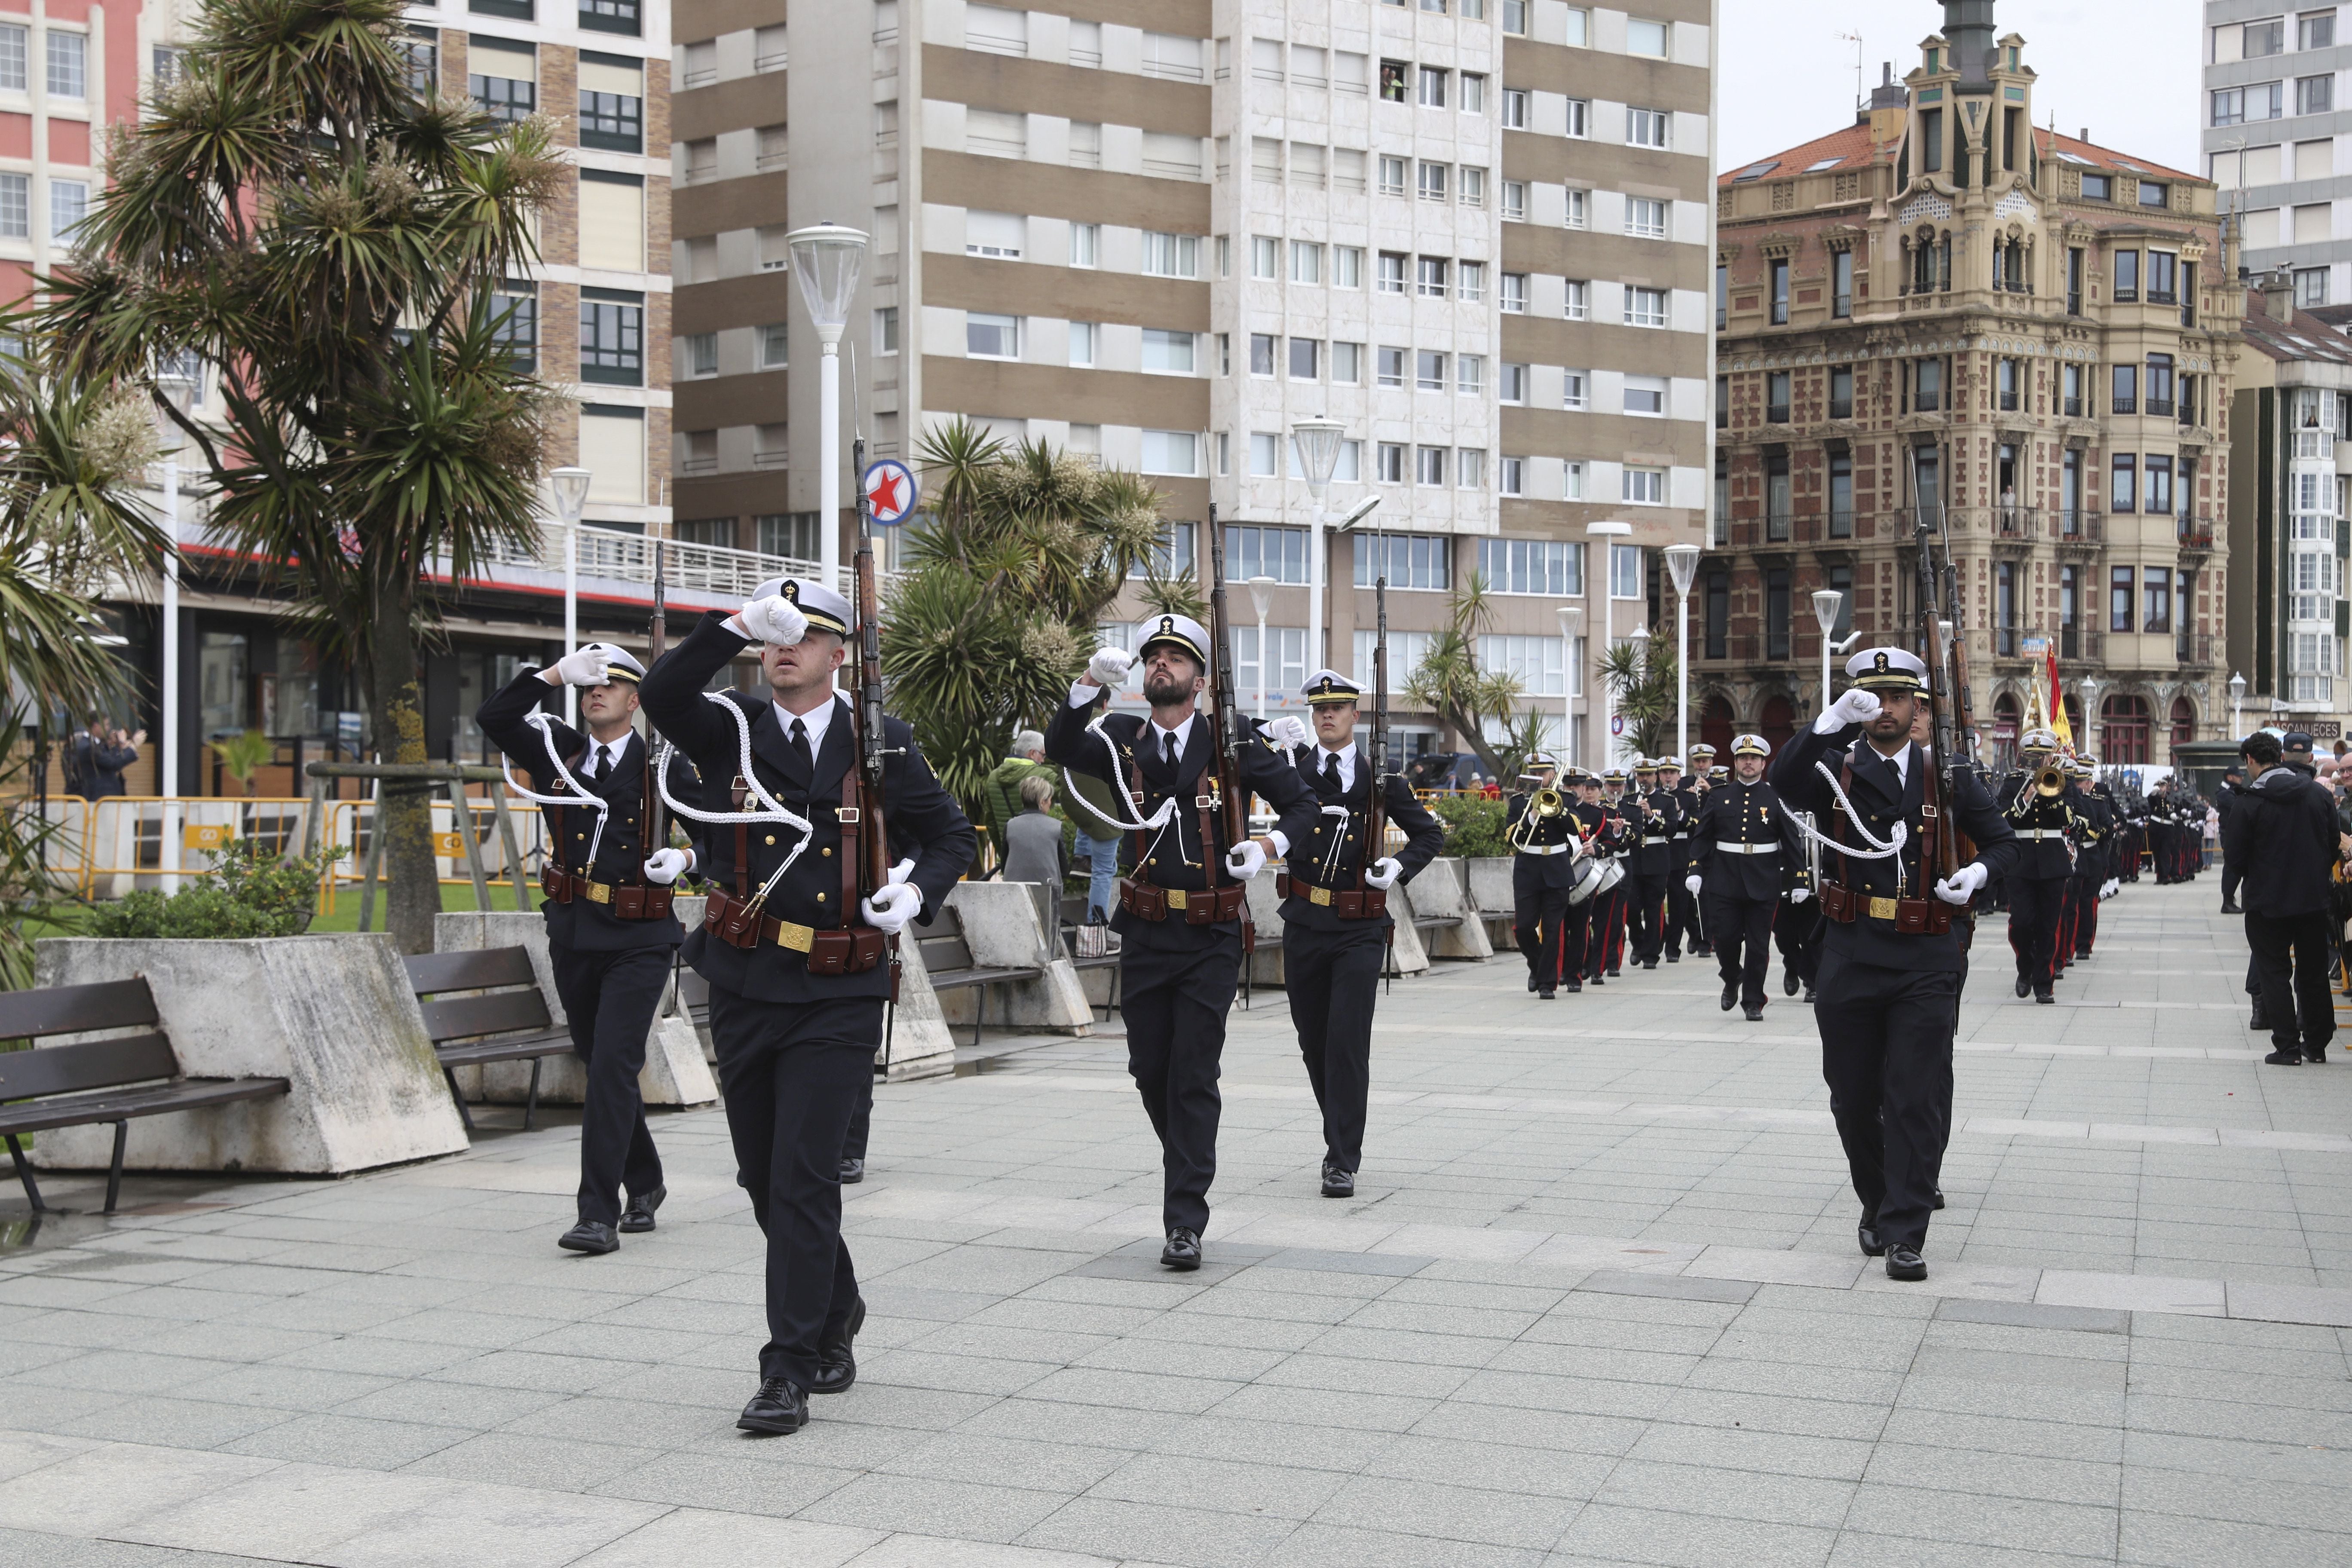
(1748, 853)
(2034, 799)
(1887, 996)
(611, 936)
(1542, 829)
(796, 958)
(1181, 907)
(1657, 823)
(1335, 916)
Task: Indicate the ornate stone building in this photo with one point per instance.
(1942, 311)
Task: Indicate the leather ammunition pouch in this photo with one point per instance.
(625, 902)
(1198, 907)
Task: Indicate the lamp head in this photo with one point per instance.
(1571, 621)
(1827, 602)
(1355, 514)
(570, 486)
(826, 260)
(1319, 449)
(1682, 564)
(1261, 589)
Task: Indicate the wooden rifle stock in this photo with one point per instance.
(657, 643)
(1940, 729)
(1233, 799)
(1376, 810)
(865, 693)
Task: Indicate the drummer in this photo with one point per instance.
(1603, 832)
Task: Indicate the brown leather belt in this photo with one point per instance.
(1200, 907)
(1911, 916)
(739, 923)
(624, 902)
(1348, 903)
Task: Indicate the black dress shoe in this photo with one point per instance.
(1337, 1183)
(1809, 992)
(852, 1173)
(2045, 999)
(1755, 1013)
(1182, 1252)
(2229, 907)
(2024, 987)
(2287, 1058)
(1649, 963)
(1595, 980)
(1614, 972)
(1674, 958)
(639, 1216)
(1936, 1198)
(1867, 1233)
(780, 1407)
(1905, 1263)
(1731, 995)
(2316, 1058)
(1573, 984)
(2258, 1022)
(1547, 994)
(836, 1368)
(1789, 981)
(589, 1235)
(1531, 984)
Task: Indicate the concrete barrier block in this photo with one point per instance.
(1490, 885)
(331, 1014)
(1442, 892)
(916, 1042)
(1004, 926)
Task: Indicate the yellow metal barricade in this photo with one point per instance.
(351, 824)
(117, 843)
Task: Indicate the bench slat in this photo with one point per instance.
(511, 1049)
(187, 1094)
(943, 954)
(455, 1018)
(958, 979)
(101, 1064)
(63, 1009)
(474, 971)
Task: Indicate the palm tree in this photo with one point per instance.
(1451, 684)
(1641, 673)
(294, 212)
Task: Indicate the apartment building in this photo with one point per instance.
(67, 72)
(2271, 140)
(1163, 234)
(1940, 310)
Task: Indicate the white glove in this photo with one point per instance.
(893, 906)
(1382, 873)
(1799, 895)
(587, 665)
(774, 620)
(665, 866)
(1245, 859)
(2110, 888)
(1962, 885)
(1858, 706)
(1693, 882)
(902, 870)
(1291, 731)
(1109, 667)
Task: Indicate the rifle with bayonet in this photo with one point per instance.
(866, 701)
(1376, 815)
(656, 644)
(1942, 729)
(1232, 731)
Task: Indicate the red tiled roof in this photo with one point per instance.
(2302, 336)
(1852, 148)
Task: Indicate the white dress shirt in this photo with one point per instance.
(1347, 755)
(813, 722)
(603, 757)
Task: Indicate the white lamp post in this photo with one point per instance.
(179, 389)
(1682, 565)
(1826, 604)
(1261, 589)
(571, 487)
(1319, 454)
(827, 259)
(2090, 714)
(2237, 696)
(1571, 626)
(1608, 533)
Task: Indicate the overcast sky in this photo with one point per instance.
(2126, 68)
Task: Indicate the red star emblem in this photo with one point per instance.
(884, 497)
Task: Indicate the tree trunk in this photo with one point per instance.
(403, 816)
(1476, 740)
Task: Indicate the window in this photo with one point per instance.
(2126, 270)
(1646, 307)
(1429, 371)
(420, 47)
(1262, 354)
(1167, 352)
(1512, 478)
(699, 354)
(517, 326)
(2123, 396)
(1579, 118)
(610, 17)
(1406, 560)
(1470, 282)
(1515, 201)
(2310, 288)
(1392, 172)
(1347, 266)
(1577, 300)
(1841, 502)
(1428, 466)
(503, 78)
(2316, 32)
(791, 534)
(2071, 380)
(612, 108)
(612, 337)
(1086, 339)
(2006, 373)
(2159, 384)
(2156, 599)
(1392, 82)
(1392, 273)
(2229, 106)
(2158, 500)
(12, 59)
(1514, 109)
(1928, 382)
(1392, 366)
(1432, 185)
(1473, 94)
(2163, 276)
(1842, 392)
(1346, 364)
(1306, 262)
(1171, 452)
(1305, 357)
(1718, 614)
(1431, 276)
(999, 235)
(1575, 391)
(990, 336)
(1169, 254)
(2098, 187)
(1265, 258)
(1779, 511)
(67, 62)
(1645, 487)
(1776, 612)
(1780, 292)
(1842, 284)
(1646, 127)
(1276, 552)
(1647, 395)
(885, 329)
(1645, 218)
(1576, 207)
(1514, 294)
(2152, 194)
(1723, 403)
(1265, 455)
(1389, 459)
(1776, 397)
(2119, 599)
(1515, 17)
(1172, 554)
(2263, 38)
(1433, 87)
(1548, 567)
(2123, 492)
(1470, 374)
(2312, 95)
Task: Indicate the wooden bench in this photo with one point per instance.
(947, 961)
(509, 1023)
(100, 1080)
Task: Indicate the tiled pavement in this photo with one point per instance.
(1597, 1301)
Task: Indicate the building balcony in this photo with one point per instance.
(2194, 649)
(2076, 526)
(2194, 533)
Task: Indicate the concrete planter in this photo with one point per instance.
(331, 1014)
(1491, 897)
(1004, 926)
(675, 1073)
(1440, 892)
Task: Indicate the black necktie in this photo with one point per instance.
(1173, 755)
(800, 745)
(1331, 769)
(603, 767)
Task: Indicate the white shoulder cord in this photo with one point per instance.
(1156, 824)
(776, 811)
(545, 725)
(1880, 849)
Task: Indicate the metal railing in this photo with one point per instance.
(2193, 533)
(711, 569)
(2193, 649)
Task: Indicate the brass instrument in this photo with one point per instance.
(1544, 804)
(2050, 779)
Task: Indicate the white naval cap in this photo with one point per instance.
(1887, 670)
(825, 610)
(1180, 631)
(1751, 745)
(619, 663)
(1329, 686)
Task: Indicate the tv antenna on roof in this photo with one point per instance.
(1856, 39)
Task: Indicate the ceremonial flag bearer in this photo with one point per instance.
(1181, 910)
(796, 960)
(1887, 999)
(1335, 937)
(611, 936)
(1745, 853)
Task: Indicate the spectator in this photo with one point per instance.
(2284, 835)
(2225, 801)
(95, 759)
(2342, 746)
(1033, 839)
(2294, 751)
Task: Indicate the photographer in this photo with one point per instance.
(2282, 833)
(95, 759)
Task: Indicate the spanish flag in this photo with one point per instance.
(2054, 703)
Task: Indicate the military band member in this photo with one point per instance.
(1697, 781)
(2095, 831)
(1603, 828)
(2035, 885)
(1180, 910)
(1543, 830)
(611, 936)
(1748, 854)
(1887, 999)
(795, 958)
(1651, 861)
(1682, 909)
(1335, 939)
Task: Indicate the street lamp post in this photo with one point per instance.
(827, 259)
(2237, 696)
(1608, 534)
(1682, 564)
(179, 390)
(1261, 589)
(1826, 604)
(1571, 626)
(2090, 713)
(1319, 454)
(571, 487)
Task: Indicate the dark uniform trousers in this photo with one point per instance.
(609, 999)
(1333, 979)
(2086, 907)
(1174, 1002)
(1645, 896)
(1682, 906)
(1547, 926)
(1742, 932)
(1797, 931)
(794, 1073)
(2034, 919)
(1605, 931)
(1886, 1054)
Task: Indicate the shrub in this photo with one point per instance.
(250, 893)
(1473, 825)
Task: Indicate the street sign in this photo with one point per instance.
(1616, 723)
(890, 491)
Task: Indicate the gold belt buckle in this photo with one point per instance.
(1318, 895)
(800, 939)
(600, 892)
(1175, 898)
(1882, 909)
